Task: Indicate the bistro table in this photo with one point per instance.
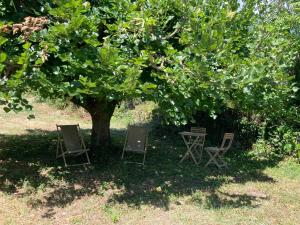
(194, 143)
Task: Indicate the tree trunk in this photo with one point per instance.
(100, 129)
(101, 113)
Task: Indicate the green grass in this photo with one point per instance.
(36, 189)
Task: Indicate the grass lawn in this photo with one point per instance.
(36, 189)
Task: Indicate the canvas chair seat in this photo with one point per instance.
(132, 149)
(216, 154)
(136, 142)
(70, 142)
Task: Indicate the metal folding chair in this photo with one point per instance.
(216, 154)
(70, 142)
(136, 142)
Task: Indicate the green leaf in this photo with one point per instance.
(27, 45)
(3, 40)
(3, 57)
(1, 67)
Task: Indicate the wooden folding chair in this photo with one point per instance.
(136, 142)
(200, 143)
(198, 130)
(216, 154)
(70, 142)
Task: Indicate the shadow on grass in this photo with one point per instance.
(217, 200)
(28, 166)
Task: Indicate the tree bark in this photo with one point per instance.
(100, 129)
(101, 112)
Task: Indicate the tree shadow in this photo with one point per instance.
(217, 200)
(28, 165)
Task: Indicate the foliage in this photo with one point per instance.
(298, 149)
(203, 61)
(13, 67)
(271, 139)
(80, 64)
(186, 56)
(243, 64)
(14, 10)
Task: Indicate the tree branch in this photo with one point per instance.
(172, 34)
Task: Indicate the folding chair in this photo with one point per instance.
(136, 142)
(201, 130)
(198, 130)
(216, 154)
(200, 144)
(70, 142)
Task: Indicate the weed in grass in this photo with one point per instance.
(103, 187)
(112, 213)
(8, 186)
(198, 198)
(76, 220)
(27, 187)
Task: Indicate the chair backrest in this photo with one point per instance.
(198, 129)
(202, 130)
(71, 136)
(227, 141)
(136, 138)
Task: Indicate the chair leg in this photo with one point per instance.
(212, 159)
(123, 154)
(194, 158)
(63, 155)
(199, 151)
(137, 162)
(144, 159)
(185, 156)
(57, 149)
(217, 160)
(88, 158)
(196, 151)
(223, 162)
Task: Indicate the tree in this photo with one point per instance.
(185, 55)
(110, 51)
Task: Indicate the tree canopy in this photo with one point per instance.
(187, 56)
